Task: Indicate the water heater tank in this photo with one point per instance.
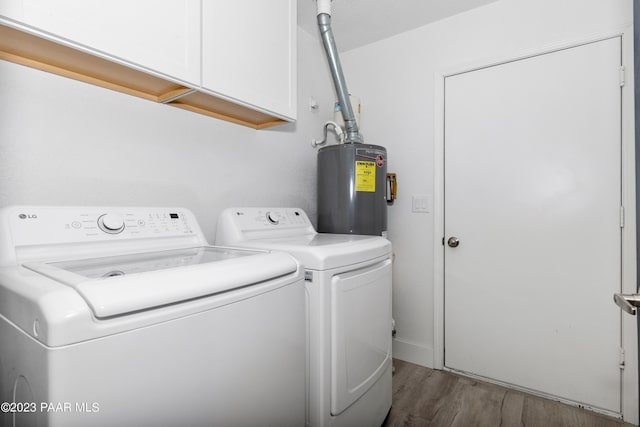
(352, 189)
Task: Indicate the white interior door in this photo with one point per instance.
(533, 195)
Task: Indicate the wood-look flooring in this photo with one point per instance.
(427, 397)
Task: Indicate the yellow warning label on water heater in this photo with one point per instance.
(366, 176)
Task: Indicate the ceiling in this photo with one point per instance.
(356, 23)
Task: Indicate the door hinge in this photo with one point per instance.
(621, 216)
(622, 75)
(621, 360)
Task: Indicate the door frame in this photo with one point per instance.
(629, 339)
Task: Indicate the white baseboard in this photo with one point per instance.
(413, 353)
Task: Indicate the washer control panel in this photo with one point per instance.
(54, 225)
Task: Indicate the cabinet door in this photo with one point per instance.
(249, 52)
(163, 36)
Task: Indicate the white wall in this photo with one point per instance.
(64, 142)
(395, 79)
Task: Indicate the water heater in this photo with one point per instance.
(352, 176)
(352, 197)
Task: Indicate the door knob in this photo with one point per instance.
(627, 302)
(453, 242)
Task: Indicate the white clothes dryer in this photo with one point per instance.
(348, 287)
(126, 317)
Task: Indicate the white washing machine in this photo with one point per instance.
(125, 317)
(348, 286)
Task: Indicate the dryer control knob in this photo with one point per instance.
(273, 218)
(111, 223)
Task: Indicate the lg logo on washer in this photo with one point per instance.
(26, 216)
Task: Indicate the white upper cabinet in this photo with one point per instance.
(234, 60)
(160, 36)
(249, 52)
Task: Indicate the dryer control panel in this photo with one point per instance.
(239, 224)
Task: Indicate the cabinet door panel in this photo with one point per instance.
(249, 52)
(163, 36)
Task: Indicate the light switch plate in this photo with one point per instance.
(421, 203)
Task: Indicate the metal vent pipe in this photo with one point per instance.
(324, 24)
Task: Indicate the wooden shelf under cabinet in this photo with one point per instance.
(43, 54)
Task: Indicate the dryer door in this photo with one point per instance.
(360, 331)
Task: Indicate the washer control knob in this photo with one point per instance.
(273, 218)
(111, 223)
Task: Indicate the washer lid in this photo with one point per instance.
(320, 251)
(117, 285)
